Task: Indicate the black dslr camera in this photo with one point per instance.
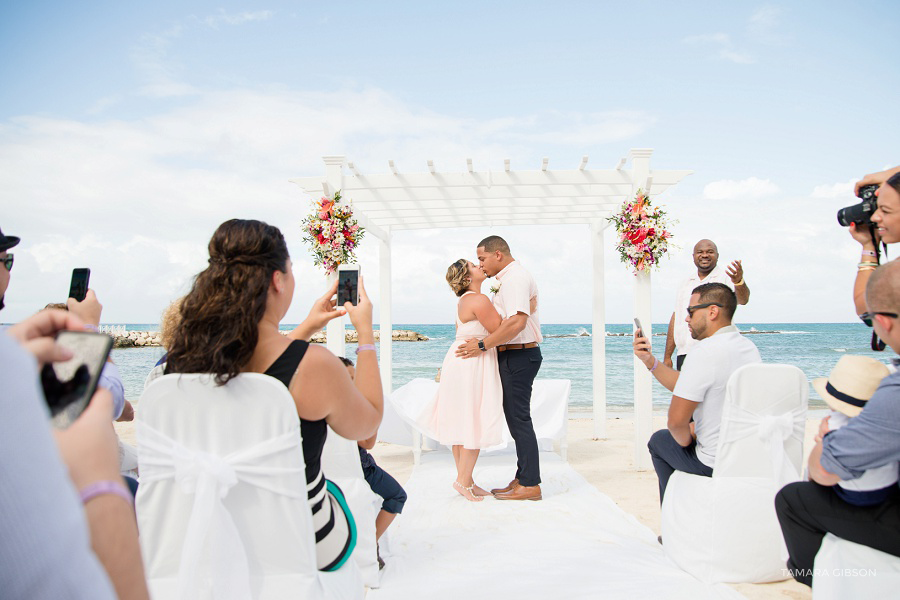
(861, 213)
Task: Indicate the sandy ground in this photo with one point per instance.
(608, 465)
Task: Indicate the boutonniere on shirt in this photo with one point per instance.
(495, 289)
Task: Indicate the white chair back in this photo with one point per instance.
(222, 504)
(763, 423)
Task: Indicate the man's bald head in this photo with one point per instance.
(706, 256)
(883, 289)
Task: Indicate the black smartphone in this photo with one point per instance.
(348, 285)
(637, 323)
(69, 385)
(79, 286)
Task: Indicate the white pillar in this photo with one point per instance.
(643, 392)
(334, 178)
(598, 329)
(385, 323)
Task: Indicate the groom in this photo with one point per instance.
(519, 357)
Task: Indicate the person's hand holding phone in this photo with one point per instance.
(88, 310)
(361, 314)
(36, 334)
(642, 349)
(324, 310)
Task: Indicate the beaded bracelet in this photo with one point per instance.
(867, 264)
(865, 269)
(100, 488)
(364, 347)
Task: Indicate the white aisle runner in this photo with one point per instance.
(575, 543)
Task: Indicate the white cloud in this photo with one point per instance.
(723, 43)
(750, 188)
(136, 201)
(834, 190)
(236, 18)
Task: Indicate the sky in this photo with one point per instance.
(129, 131)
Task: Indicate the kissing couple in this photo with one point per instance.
(491, 366)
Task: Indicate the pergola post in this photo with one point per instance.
(334, 179)
(598, 329)
(384, 322)
(643, 380)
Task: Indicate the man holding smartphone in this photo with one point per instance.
(6, 242)
(698, 392)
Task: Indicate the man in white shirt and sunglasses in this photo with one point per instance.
(698, 390)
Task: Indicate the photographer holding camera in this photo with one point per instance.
(874, 220)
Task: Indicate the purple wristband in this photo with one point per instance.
(364, 347)
(655, 364)
(100, 488)
(91, 327)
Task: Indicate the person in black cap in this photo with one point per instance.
(6, 242)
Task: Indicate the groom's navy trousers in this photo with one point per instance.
(518, 368)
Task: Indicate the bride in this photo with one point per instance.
(467, 411)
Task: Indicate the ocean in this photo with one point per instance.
(813, 347)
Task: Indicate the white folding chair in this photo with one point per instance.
(723, 528)
(222, 506)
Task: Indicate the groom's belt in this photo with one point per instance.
(506, 347)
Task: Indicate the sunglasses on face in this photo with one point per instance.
(691, 309)
(7, 261)
(867, 316)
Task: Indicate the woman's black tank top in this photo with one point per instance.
(313, 432)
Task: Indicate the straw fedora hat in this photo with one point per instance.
(851, 383)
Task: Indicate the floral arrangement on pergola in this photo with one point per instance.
(332, 233)
(643, 233)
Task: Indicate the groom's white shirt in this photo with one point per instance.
(517, 288)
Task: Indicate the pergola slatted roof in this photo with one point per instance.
(387, 202)
(396, 200)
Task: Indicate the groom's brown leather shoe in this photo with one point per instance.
(521, 492)
(509, 488)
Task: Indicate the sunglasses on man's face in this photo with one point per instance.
(691, 309)
(7, 261)
(867, 316)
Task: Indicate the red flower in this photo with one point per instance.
(637, 236)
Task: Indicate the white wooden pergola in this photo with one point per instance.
(393, 201)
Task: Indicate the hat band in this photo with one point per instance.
(844, 397)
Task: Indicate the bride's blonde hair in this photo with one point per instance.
(458, 276)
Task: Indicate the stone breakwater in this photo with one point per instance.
(145, 339)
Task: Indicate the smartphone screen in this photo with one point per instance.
(69, 385)
(79, 286)
(637, 323)
(348, 287)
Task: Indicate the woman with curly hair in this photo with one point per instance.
(229, 324)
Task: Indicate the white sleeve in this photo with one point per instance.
(516, 294)
(695, 380)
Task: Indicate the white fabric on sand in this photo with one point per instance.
(575, 543)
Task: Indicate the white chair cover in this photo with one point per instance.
(340, 463)
(222, 506)
(846, 569)
(724, 528)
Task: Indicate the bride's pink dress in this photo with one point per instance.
(468, 407)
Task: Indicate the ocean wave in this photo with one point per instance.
(839, 349)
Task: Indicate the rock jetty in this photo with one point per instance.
(145, 339)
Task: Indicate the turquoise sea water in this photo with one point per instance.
(813, 347)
